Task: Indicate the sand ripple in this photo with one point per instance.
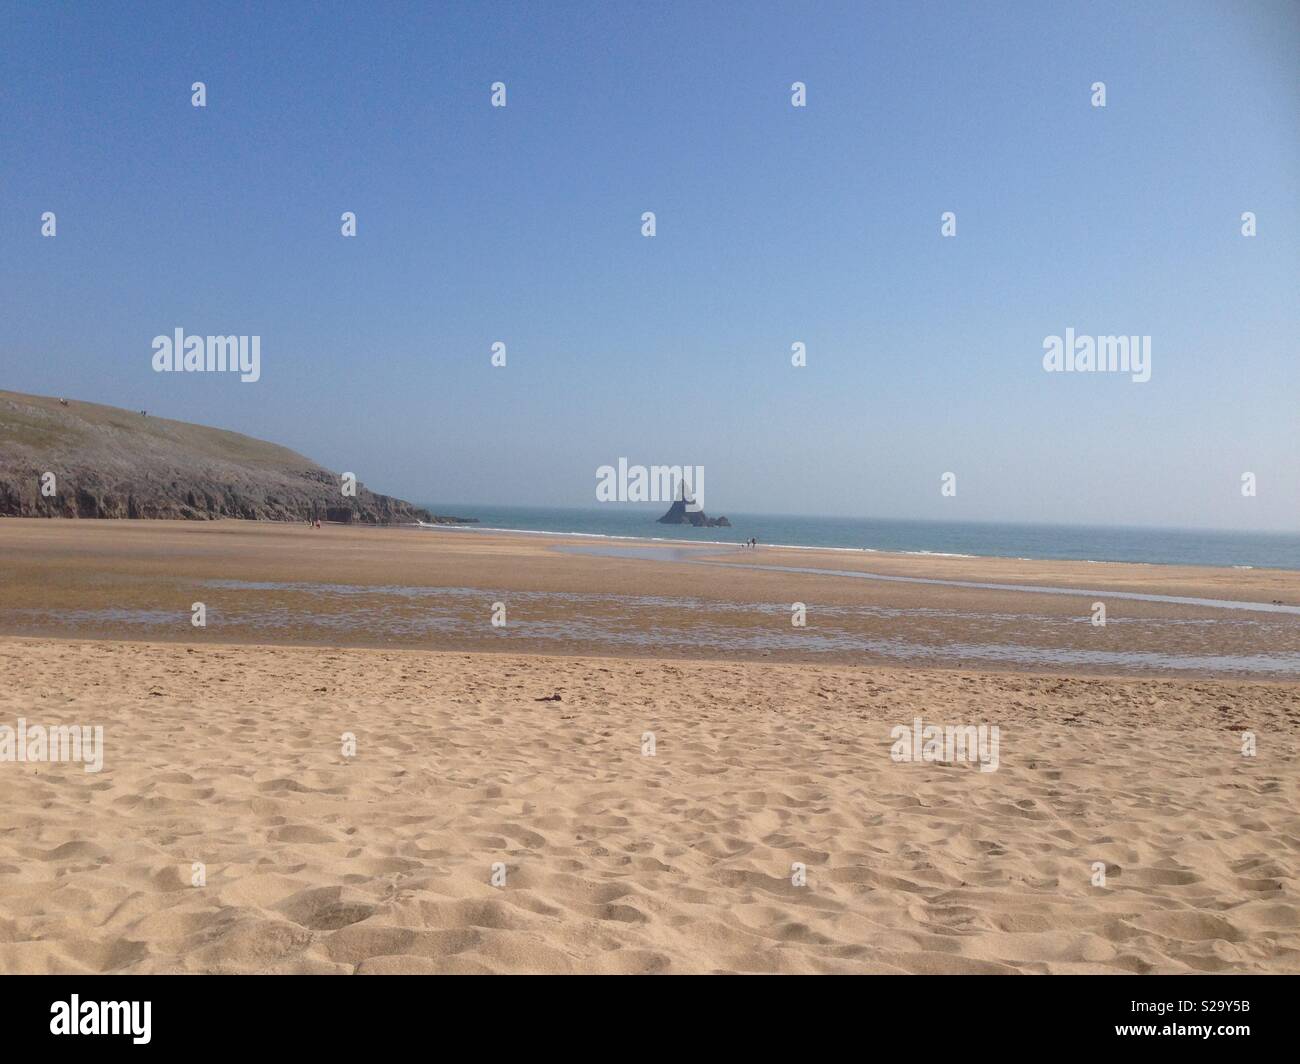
(618, 862)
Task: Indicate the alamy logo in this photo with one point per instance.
(179, 353)
(1098, 354)
(102, 1017)
(636, 483)
(949, 744)
(38, 744)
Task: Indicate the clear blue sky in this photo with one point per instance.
(775, 224)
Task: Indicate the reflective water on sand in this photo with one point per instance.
(708, 556)
(457, 617)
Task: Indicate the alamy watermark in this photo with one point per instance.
(950, 743)
(78, 1017)
(52, 744)
(637, 483)
(1098, 354)
(179, 353)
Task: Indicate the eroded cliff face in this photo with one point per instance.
(678, 515)
(70, 459)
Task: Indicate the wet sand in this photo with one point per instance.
(338, 586)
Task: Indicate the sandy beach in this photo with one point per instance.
(705, 797)
(269, 583)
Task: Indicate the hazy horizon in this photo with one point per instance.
(651, 509)
(775, 225)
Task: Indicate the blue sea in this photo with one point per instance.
(1161, 546)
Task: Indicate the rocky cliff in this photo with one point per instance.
(108, 462)
(678, 515)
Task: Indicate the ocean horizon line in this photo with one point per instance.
(651, 508)
(926, 537)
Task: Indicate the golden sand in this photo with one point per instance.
(229, 831)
